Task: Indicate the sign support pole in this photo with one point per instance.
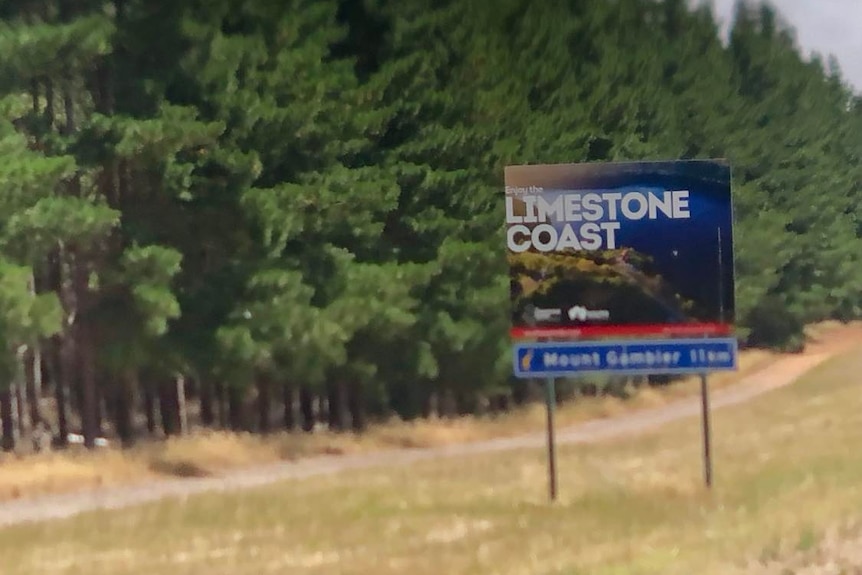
(707, 448)
(551, 400)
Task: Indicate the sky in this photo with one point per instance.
(824, 26)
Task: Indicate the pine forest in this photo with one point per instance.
(266, 215)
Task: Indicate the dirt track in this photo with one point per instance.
(782, 372)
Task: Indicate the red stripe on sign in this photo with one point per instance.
(689, 329)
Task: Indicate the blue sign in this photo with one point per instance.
(635, 357)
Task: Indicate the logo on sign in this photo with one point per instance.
(527, 360)
(547, 314)
(581, 313)
(534, 314)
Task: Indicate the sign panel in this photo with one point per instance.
(636, 357)
(620, 250)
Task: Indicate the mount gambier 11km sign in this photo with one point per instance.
(634, 357)
(629, 249)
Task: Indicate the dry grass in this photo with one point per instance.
(212, 452)
(54, 473)
(788, 483)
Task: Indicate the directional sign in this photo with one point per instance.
(635, 357)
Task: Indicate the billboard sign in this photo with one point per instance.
(620, 250)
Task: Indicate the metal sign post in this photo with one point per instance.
(707, 449)
(551, 400)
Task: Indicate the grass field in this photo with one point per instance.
(788, 471)
(214, 452)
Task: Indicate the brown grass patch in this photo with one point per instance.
(71, 470)
(213, 452)
(208, 453)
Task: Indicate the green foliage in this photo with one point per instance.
(311, 190)
(33, 232)
(31, 50)
(24, 317)
(149, 271)
(26, 175)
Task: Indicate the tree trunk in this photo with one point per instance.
(69, 375)
(123, 401)
(520, 392)
(7, 418)
(79, 305)
(356, 404)
(263, 403)
(68, 108)
(52, 369)
(60, 390)
(464, 403)
(191, 387)
(429, 404)
(103, 411)
(150, 408)
(33, 379)
(75, 282)
(221, 395)
(67, 384)
(322, 408)
(34, 95)
(480, 405)
(500, 403)
(76, 394)
(169, 407)
(288, 399)
(234, 405)
(89, 391)
(306, 408)
(20, 406)
(206, 399)
(335, 400)
(182, 411)
(49, 103)
(446, 404)
(61, 398)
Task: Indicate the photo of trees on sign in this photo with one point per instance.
(623, 280)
